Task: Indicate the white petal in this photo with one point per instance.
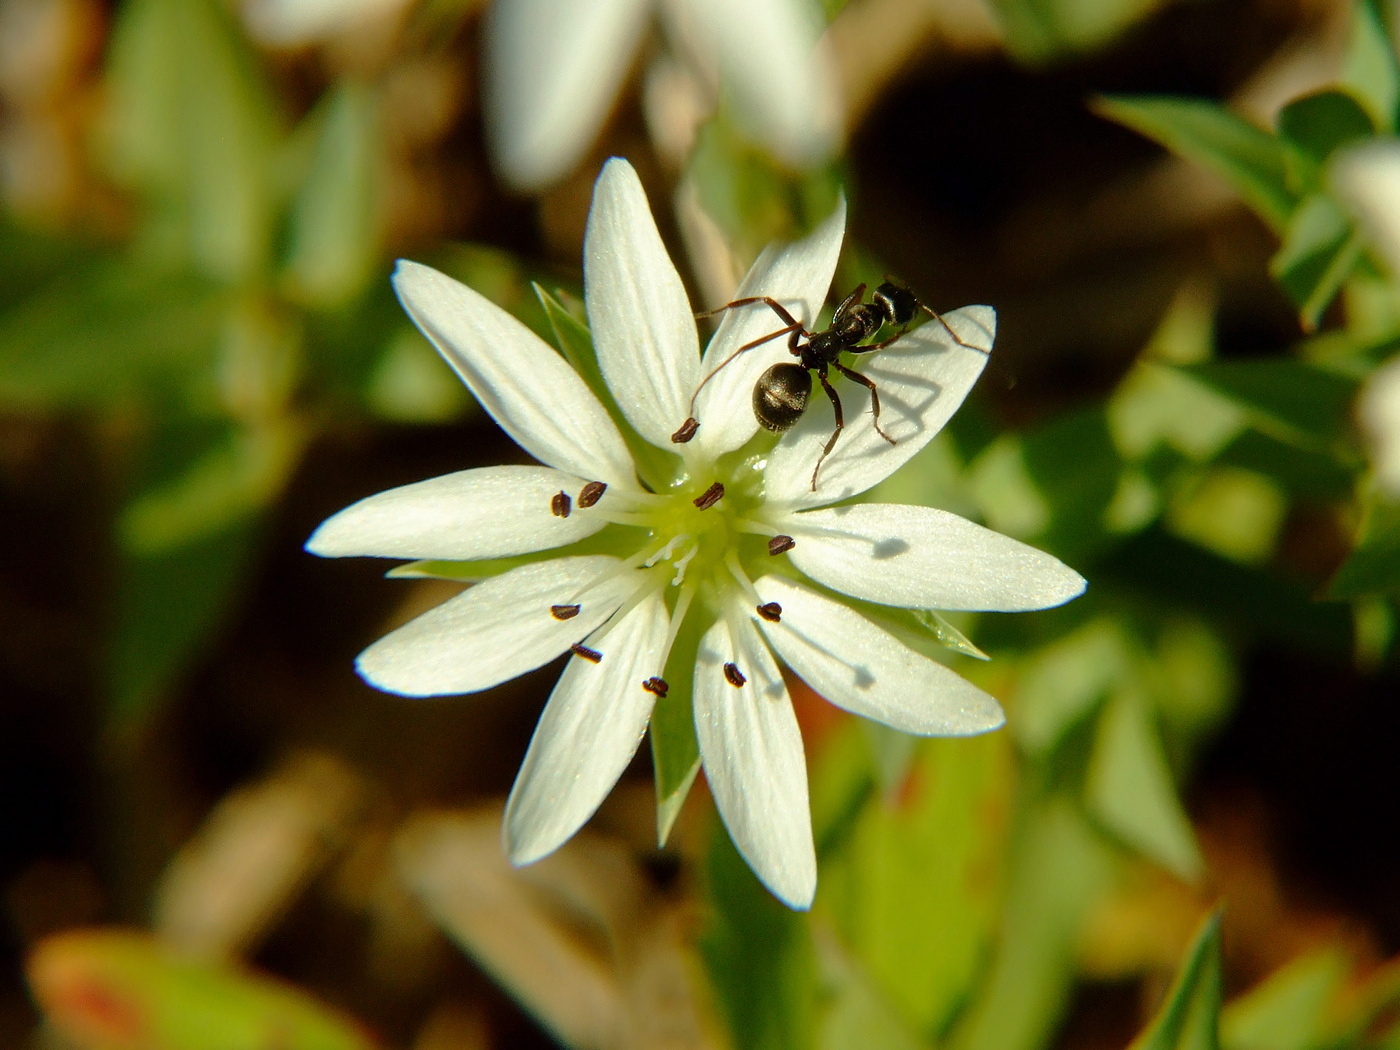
(752, 752)
(498, 629)
(526, 387)
(552, 71)
(798, 276)
(490, 512)
(922, 379)
(783, 84)
(869, 672)
(1367, 179)
(638, 311)
(923, 558)
(587, 735)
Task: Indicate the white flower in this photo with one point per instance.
(755, 571)
(1367, 179)
(1378, 408)
(554, 67)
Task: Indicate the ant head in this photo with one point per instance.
(780, 395)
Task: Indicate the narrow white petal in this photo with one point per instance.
(798, 276)
(923, 558)
(638, 311)
(587, 735)
(783, 83)
(527, 387)
(498, 629)
(752, 752)
(490, 512)
(552, 70)
(869, 672)
(921, 380)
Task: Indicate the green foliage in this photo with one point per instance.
(1190, 1017)
(1039, 31)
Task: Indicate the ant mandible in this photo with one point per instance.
(780, 396)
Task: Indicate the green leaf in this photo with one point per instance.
(98, 334)
(334, 242)
(1313, 127)
(1310, 403)
(1078, 499)
(675, 755)
(759, 956)
(1251, 160)
(194, 126)
(1291, 1009)
(1320, 249)
(1038, 31)
(1374, 564)
(1371, 70)
(1190, 1017)
(120, 990)
(1131, 790)
(1062, 683)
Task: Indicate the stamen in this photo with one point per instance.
(657, 686)
(591, 655)
(591, 493)
(771, 611)
(560, 504)
(687, 431)
(710, 497)
(667, 550)
(564, 612)
(682, 562)
(734, 676)
(781, 545)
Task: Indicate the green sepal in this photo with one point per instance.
(675, 753)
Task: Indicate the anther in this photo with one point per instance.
(781, 545)
(591, 655)
(560, 504)
(591, 493)
(734, 676)
(687, 431)
(772, 612)
(563, 612)
(710, 497)
(657, 686)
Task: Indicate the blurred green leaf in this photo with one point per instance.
(1062, 683)
(1303, 472)
(193, 126)
(1312, 402)
(1251, 160)
(1371, 69)
(759, 956)
(675, 755)
(122, 990)
(917, 860)
(856, 1015)
(1235, 513)
(1190, 1017)
(1290, 1009)
(412, 384)
(97, 334)
(1313, 127)
(334, 237)
(1131, 790)
(1038, 31)
(1320, 249)
(1374, 564)
(1078, 499)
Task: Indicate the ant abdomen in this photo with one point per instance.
(780, 396)
(896, 302)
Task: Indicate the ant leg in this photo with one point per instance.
(869, 384)
(773, 304)
(792, 331)
(840, 422)
(949, 329)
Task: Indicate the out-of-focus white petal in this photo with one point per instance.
(490, 512)
(1367, 178)
(866, 670)
(640, 317)
(497, 630)
(292, 23)
(922, 558)
(526, 387)
(783, 83)
(587, 735)
(921, 380)
(552, 70)
(752, 752)
(1379, 412)
(798, 276)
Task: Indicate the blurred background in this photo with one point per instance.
(215, 835)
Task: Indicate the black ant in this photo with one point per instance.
(781, 393)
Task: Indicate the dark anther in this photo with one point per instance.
(781, 545)
(563, 612)
(772, 612)
(687, 431)
(710, 497)
(591, 655)
(561, 504)
(657, 686)
(591, 493)
(734, 676)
